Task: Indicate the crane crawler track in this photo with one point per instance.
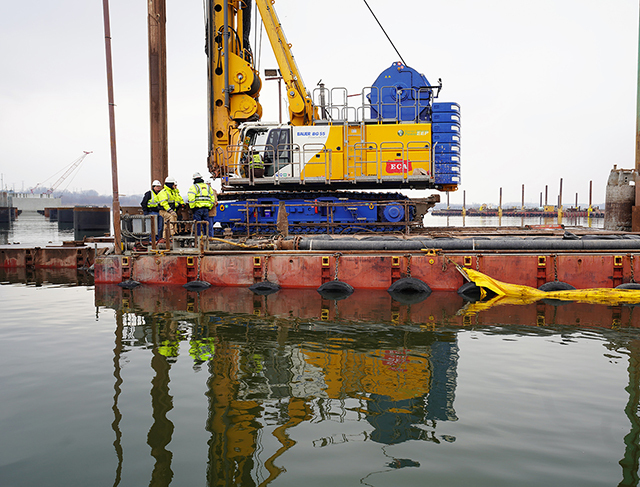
(318, 212)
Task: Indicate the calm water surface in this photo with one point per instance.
(32, 228)
(509, 221)
(160, 386)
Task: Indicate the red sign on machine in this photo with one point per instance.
(399, 166)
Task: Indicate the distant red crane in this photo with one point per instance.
(74, 165)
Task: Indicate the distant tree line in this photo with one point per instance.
(92, 198)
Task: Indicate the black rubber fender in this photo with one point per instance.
(129, 284)
(469, 292)
(335, 290)
(409, 285)
(408, 298)
(196, 285)
(409, 290)
(556, 286)
(632, 286)
(629, 285)
(264, 288)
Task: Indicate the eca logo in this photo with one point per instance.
(399, 167)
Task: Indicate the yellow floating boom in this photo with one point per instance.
(517, 294)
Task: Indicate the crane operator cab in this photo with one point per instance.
(268, 148)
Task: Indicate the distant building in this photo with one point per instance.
(33, 202)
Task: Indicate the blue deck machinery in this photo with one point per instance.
(410, 90)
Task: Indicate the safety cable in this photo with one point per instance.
(385, 32)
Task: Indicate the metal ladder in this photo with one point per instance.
(354, 149)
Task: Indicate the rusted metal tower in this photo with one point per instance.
(635, 215)
(115, 208)
(158, 89)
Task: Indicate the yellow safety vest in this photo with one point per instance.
(154, 201)
(256, 162)
(201, 196)
(169, 198)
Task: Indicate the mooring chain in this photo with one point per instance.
(555, 267)
(408, 256)
(199, 259)
(444, 263)
(337, 256)
(478, 263)
(633, 279)
(266, 268)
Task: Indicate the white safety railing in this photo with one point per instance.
(314, 162)
(391, 104)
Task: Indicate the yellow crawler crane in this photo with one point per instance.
(392, 137)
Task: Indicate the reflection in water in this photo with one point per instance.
(404, 416)
(41, 276)
(5, 231)
(117, 416)
(631, 458)
(230, 422)
(164, 348)
(269, 374)
(307, 379)
(279, 362)
(161, 403)
(363, 306)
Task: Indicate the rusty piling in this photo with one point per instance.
(635, 211)
(112, 130)
(158, 89)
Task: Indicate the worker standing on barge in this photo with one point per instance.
(202, 199)
(151, 205)
(169, 200)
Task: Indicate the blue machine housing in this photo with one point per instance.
(401, 93)
(445, 138)
(309, 216)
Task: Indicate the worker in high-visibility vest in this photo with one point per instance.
(151, 205)
(170, 201)
(256, 165)
(202, 199)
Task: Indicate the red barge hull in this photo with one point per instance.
(370, 270)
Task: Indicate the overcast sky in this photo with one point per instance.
(547, 87)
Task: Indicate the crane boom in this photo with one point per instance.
(301, 109)
(73, 166)
(234, 83)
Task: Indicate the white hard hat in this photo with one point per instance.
(197, 175)
(156, 183)
(170, 180)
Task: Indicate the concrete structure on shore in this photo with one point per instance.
(34, 202)
(7, 211)
(6, 200)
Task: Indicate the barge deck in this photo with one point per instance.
(583, 258)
